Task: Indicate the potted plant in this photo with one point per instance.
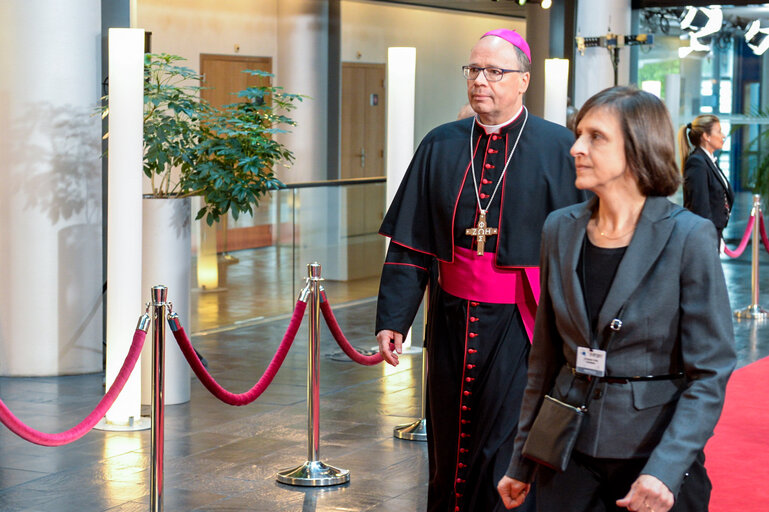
(226, 156)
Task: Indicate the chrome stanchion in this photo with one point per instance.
(159, 296)
(754, 311)
(313, 472)
(417, 430)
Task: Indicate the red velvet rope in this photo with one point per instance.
(745, 239)
(762, 231)
(264, 381)
(336, 331)
(35, 436)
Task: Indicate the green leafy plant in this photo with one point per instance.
(240, 152)
(227, 155)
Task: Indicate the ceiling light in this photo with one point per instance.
(695, 45)
(702, 21)
(757, 38)
(546, 4)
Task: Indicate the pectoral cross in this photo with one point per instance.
(480, 231)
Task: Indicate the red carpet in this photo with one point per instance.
(737, 457)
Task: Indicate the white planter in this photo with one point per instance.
(166, 254)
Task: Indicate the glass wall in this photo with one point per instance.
(725, 80)
(262, 259)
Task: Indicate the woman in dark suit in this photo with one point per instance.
(707, 191)
(629, 253)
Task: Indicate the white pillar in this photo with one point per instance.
(50, 200)
(593, 71)
(556, 90)
(124, 219)
(303, 68)
(673, 98)
(400, 90)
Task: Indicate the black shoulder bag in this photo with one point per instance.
(555, 429)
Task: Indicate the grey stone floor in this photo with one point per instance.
(223, 458)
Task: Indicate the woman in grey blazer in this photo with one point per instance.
(627, 252)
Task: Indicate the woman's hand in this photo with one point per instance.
(647, 494)
(390, 345)
(513, 492)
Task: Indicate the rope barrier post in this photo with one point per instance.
(313, 473)
(754, 311)
(159, 296)
(417, 430)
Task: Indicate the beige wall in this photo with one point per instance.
(442, 39)
(191, 27)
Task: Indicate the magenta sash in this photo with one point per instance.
(477, 278)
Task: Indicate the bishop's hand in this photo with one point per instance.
(390, 345)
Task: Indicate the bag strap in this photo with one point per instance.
(614, 328)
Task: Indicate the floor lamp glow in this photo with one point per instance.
(124, 216)
(401, 90)
(556, 90)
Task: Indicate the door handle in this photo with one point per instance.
(362, 156)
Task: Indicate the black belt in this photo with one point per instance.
(616, 379)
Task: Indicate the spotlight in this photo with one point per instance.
(702, 21)
(695, 45)
(757, 38)
(521, 2)
(546, 4)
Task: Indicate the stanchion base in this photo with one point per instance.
(314, 473)
(416, 431)
(143, 423)
(754, 311)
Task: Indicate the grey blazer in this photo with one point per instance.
(676, 318)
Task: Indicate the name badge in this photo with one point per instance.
(591, 361)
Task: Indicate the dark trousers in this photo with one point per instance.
(594, 485)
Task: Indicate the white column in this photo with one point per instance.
(593, 71)
(50, 199)
(556, 90)
(400, 90)
(302, 67)
(124, 217)
(673, 98)
(399, 146)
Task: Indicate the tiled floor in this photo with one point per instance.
(223, 458)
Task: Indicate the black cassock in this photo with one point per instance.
(477, 351)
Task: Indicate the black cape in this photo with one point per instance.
(424, 214)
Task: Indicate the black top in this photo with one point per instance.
(596, 270)
(707, 192)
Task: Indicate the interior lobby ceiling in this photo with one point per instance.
(508, 8)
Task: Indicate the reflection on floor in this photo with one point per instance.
(263, 285)
(222, 458)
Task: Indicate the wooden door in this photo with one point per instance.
(363, 139)
(223, 77)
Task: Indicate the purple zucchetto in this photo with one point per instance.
(512, 37)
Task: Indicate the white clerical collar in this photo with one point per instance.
(494, 128)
